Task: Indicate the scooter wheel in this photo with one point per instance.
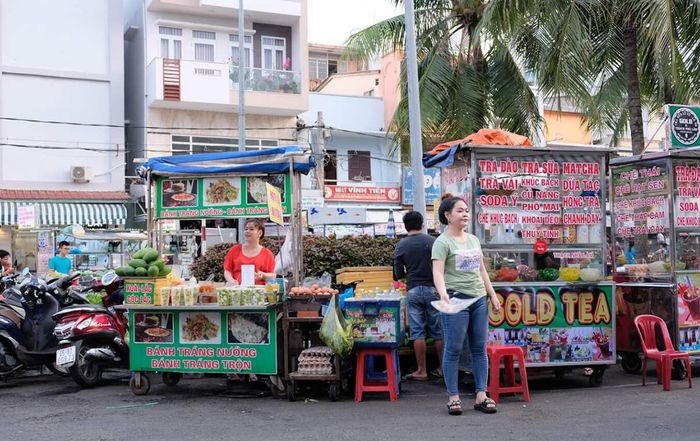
(171, 378)
(85, 373)
(143, 388)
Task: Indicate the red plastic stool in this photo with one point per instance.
(508, 353)
(362, 385)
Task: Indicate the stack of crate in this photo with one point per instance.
(372, 277)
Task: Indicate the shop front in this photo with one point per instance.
(33, 222)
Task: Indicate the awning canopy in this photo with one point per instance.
(66, 213)
(268, 161)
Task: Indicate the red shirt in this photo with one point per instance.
(264, 262)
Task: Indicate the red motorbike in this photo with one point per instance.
(92, 337)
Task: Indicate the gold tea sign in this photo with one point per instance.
(274, 205)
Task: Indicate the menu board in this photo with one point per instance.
(555, 198)
(203, 341)
(687, 187)
(219, 197)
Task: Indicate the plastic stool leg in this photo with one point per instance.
(523, 378)
(509, 366)
(494, 377)
(359, 376)
(391, 376)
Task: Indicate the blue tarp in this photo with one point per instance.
(268, 161)
(443, 159)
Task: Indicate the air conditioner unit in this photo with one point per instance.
(81, 173)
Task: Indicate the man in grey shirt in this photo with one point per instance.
(412, 260)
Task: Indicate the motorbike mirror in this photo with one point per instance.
(25, 271)
(108, 278)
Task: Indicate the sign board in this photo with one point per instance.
(311, 199)
(362, 194)
(27, 216)
(683, 126)
(168, 225)
(557, 325)
(219, 197)
(337, 216)
(213, 341)
(139, 292)
(432, 185)
(274, 204)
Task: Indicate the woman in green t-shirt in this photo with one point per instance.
(458, 271)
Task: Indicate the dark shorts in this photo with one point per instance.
(422, 315)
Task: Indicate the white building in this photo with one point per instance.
(62, 62)
(179, 55)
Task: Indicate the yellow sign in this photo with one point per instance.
(274, 205)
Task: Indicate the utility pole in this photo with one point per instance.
(241, 98)
(319, 150)
(414, 112)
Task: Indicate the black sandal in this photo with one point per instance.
(454, 407)
(486, 406)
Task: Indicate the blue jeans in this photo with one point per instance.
(472, 323)
(422, 314)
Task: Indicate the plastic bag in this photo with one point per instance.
(283, 260)
(336, 333)
(323, 282)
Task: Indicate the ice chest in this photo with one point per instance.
(376, 322)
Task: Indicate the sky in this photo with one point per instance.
(333, 21)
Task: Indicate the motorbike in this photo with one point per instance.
(92, 337)
(26, 325)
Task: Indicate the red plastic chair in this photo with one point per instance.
(646, 326)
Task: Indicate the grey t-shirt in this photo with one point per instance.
(412, 260)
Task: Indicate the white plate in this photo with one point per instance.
(66, 356)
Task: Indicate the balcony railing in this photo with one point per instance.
(267, 80)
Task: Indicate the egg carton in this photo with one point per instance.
(314, 358)
(319, 351)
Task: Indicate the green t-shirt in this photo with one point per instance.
(462, 263)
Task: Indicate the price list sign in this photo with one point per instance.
(555, 199)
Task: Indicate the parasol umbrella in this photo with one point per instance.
(391, 226)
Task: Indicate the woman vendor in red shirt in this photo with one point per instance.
(250, 253)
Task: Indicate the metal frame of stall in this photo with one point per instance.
(290, 160)
(467, 155)
(656, 294)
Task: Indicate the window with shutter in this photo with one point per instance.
(359, 165)
(330, 167)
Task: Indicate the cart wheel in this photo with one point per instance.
(291, 391)
(171, 378)
(679, 372)
(333, 391)
(559, 373)
(596, 378)
(143, 388)
(631, 362)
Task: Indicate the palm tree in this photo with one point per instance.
(469, 77)
(636, 53)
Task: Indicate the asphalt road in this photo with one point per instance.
(45, 407)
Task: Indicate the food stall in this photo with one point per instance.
(176, 328)
(655, 204)
(539, 213)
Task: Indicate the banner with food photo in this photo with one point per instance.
(556, 324)
(220, 196)
(218, 341)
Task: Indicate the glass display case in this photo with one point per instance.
(539, 214)
(656, 219)
(98, 250)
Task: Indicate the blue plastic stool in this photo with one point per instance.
(372, 375)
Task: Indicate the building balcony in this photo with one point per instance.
(213, 87)
(228, 8)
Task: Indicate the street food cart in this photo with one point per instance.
(539, 213)
(234, 331)
(655, 203)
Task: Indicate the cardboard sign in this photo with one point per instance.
(274, 205)
(26, 217)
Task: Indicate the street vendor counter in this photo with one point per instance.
(201, 339)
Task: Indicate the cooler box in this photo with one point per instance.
(376, 322)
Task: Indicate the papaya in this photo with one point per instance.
(128, 271)
(165, 271)
(138, 263)
(140, 272)
(153, 270)
(159, 263)
(150, 256)
(139, 254)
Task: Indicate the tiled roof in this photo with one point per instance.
(61, 195)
